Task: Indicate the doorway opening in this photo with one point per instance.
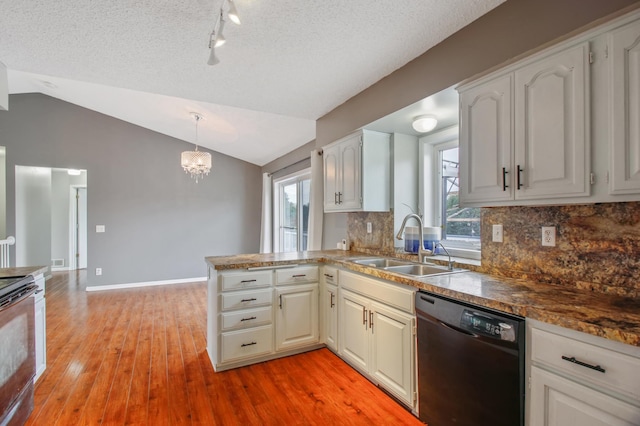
(51, 224)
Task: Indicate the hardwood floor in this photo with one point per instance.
(137, 357)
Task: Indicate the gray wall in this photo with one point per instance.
(159, 223)
(33, 204)
(507, 32)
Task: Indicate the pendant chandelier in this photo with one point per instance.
(196, 163)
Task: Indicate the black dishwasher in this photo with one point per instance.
(470, 364)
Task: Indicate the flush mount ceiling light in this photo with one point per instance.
(216, 38)
(424, 123)
(196, 163)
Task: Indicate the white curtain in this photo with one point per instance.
(316, 213)
(266, 231)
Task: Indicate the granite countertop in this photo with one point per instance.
(612, 317)
(22, 271)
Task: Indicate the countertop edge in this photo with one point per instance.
(548, 314)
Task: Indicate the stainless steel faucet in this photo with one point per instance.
(422, 253)
(450, 262)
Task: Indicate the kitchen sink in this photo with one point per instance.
(421, 270)
(381, 262)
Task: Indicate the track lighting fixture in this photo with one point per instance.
(216, 38)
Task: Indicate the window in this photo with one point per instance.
(460, 225)
(291, 215)
(441, 195)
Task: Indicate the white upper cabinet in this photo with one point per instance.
(525, 133)
(624, 48)
(485, 141)
(551, 126)
(560, 126)
(357, 173)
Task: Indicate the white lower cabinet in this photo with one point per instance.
(377, 339)
(261, 314)
(297, 316)
(392, 350)
(556, 401)
(329, 307)
(577, 379)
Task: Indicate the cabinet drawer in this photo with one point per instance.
(330, 275)
(246, 343)
(246, 318)
(246, 299)
(240, 280)
(620, 370)
(304, 274)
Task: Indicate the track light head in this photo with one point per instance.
(232, 13)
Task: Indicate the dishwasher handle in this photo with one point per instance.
(458, 329)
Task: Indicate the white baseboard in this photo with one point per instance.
(59, 268)
(144, 284)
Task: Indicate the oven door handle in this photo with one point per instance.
(19, 297)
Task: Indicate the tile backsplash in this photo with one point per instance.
(597, 245)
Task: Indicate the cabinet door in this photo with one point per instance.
(350, 195)
(556, 401)
(331, 161)
(551, 126)
(392, 361)
(297, 316)
(354, 330)
(330, 317)
(40, 336)
(485, 142)
(625, 98)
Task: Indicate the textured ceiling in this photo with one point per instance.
(289, 63)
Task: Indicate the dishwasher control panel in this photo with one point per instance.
(481, 323)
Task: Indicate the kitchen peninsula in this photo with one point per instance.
(265, 306)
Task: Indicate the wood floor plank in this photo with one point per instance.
(139, 390)
(138, 357)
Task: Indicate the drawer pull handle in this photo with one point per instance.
(584, 364)
(248, 344)
(247, 281)
(249, 300)
(248, 319)
(328, 276)
(299, 275)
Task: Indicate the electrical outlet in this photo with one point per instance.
(98, 271)
(549, 236)
(100, 228)
(497, 233)
(369, 228)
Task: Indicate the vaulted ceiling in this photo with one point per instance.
(289, 63)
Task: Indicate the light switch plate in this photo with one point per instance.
(100, 228)
(369, 228)
(497, 233)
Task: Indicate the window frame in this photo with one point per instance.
(432, 188)
(278, 211)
